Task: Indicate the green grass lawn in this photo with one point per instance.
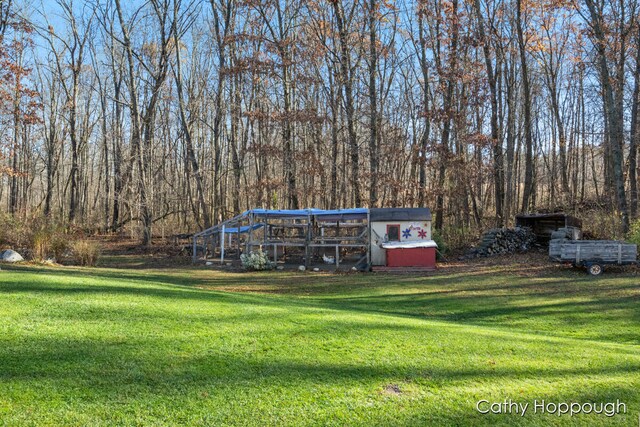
(163, 346)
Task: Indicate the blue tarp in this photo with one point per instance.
(243, 229)
(331, 215)
(299, 213)
(325, 215)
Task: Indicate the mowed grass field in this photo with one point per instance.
(193, 346)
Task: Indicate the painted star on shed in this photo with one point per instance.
(422, 234)
(406, 233)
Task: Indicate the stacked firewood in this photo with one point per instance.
(567, 233)
(500, 241)
(561, 236)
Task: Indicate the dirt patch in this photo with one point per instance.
(529, 264)
(119, 245)
(392, 390)
(123, 252)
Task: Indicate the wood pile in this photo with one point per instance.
(501, 241)
(567, 233)
(561, 236)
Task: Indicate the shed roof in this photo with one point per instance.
(531, 218)
(400, 214)
(545, 215)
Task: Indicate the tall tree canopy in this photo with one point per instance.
(170, 115)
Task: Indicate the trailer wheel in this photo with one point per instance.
(595, 269)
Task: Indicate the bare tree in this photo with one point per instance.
(182, 21)
(71, 57)
(612, 86)
(496, 141)
(528, 132)
(344, 21)
(143, 116)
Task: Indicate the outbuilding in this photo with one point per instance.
(361, 238)
(544, 224)
(401, 239)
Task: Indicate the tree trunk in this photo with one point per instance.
(615, 118)
(373, 101)
(528, 160)
(347, 84)
(289, 165)
(635, 134)
(186, 128)
(448, 114)
(136, 146)
(498, 166)
(424, 142)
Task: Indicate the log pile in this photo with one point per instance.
(567, 233)
(561, 236)
(501, 241)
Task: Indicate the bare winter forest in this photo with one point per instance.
(166, 116)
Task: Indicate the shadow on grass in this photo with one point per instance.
(603, 306)
(163, 360)
(125, 380)
(154, 362)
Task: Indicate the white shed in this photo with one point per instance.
(401, 237)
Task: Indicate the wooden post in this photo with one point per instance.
(307, 242)
(249, 244)
(337, 256)
(194, 251)
(368, 239)
(222, 245)
(265, 225)
(619, 253)
(214, 244)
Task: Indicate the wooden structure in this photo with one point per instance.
(311, 233)
(544, 224)
(324, 236)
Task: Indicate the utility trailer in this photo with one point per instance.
(593, 254)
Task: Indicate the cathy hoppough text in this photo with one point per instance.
(509, 406)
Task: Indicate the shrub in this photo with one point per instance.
(86, 252)
(634, 233)
(36, 237)
(13, 233)
(601, 224)
(455, 239)
(40, 244)
(58, 246)
(442, 247)
(256, 261)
